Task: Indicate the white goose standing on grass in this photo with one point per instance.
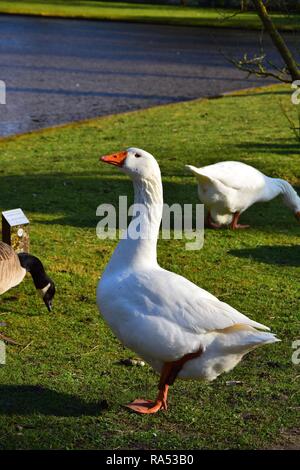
(227, 189)
(177, 327)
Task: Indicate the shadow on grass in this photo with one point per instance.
(280, 148)
(31, 399)
(279, 255)
(73, 199)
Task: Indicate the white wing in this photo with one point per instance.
(234, 175)
(165, 295)
(179, 300)
(162, 315)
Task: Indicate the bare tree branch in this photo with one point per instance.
(226, 16)
(278, 41)
(256, 66)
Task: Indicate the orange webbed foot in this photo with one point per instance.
(142, 406)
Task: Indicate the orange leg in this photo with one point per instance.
(209, 223)
(168, 375)
(234, 224)
(149, 407)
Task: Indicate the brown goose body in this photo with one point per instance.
(11, 271)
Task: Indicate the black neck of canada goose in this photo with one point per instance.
(35, 267)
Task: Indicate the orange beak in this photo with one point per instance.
(297, 215)
(116, 159)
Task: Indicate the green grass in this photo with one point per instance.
(144, 13)
(66, 389)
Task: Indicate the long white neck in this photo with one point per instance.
(138, 246)
(290, 197)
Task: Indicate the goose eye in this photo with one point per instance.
(137, 155)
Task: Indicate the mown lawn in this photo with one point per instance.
(66, 388)
(146, 13)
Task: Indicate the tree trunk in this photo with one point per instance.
(244, 5)
(277, 39)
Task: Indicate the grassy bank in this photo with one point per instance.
(65, 386)
(144, 13)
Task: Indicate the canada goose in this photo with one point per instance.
(13, 268)
(177, 327)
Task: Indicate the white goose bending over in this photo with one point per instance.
(228, 188)
(177, 327)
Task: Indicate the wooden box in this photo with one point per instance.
(15, 230)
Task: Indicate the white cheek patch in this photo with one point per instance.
(43, 291)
